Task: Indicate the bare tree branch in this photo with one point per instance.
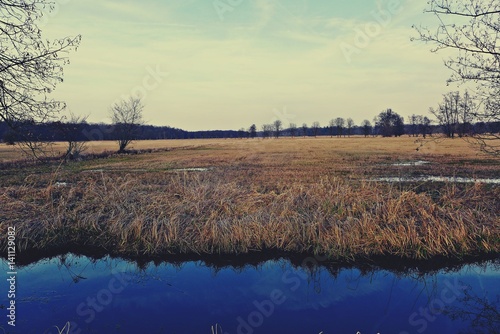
(30, 69)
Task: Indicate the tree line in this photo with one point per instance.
(451, 121)
(31, 68)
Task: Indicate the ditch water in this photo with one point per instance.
(116, 296)
(429, 178)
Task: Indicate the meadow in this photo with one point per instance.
(245, 196)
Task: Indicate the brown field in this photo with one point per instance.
(302, 195)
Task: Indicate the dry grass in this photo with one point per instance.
(299, 196)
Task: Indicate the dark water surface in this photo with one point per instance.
(115, 296)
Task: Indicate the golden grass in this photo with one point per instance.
(355, 144)
(291, 195)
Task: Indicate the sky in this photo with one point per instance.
(228, 64)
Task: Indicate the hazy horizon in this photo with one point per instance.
(206, 65)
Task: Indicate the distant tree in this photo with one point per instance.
(304, 129)
(455, 114)
(339, 124)
(71, 132)
(277, 128)
(367, 127)
(447, 113)
(413, 121)
(350, 125)
(466, 115)
(390, 123)
(10, 137)
(331, 127)
(424, 126)
(293, 129)
(242, 133)
(267, 130)
(253, 131)
(127, 119)
(315, 128)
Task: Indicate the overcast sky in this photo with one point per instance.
(225, 64)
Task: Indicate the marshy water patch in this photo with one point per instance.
(411, 163)
(270, 297)
(431, 178)
(61, 184)
(192, 169)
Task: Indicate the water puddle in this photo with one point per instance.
(116, 296)
(195, 169)
(429, 178)
(412, 163)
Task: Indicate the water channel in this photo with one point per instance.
(109, 295)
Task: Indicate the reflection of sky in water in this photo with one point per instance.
(191, 298)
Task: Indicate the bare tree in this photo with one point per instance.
(466, 115)
(350, 125)
(447, 114)
(315, 128)
(454, 114)
(293, 129)
(471, 28)
(253, 131)
(413, 121)
(30, 69)
(367, 127)
(71, 132)
(277, 128)
(127, 119)
(267, 130)
(390, 123)
(424, 126)
(304, 129)
(340, 123)
(331, 127)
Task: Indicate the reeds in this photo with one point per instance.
(160, 213)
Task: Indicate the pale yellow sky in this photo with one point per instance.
(212, 65)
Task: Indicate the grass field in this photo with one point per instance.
(302, 195)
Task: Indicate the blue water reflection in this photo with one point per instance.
(114, 296)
